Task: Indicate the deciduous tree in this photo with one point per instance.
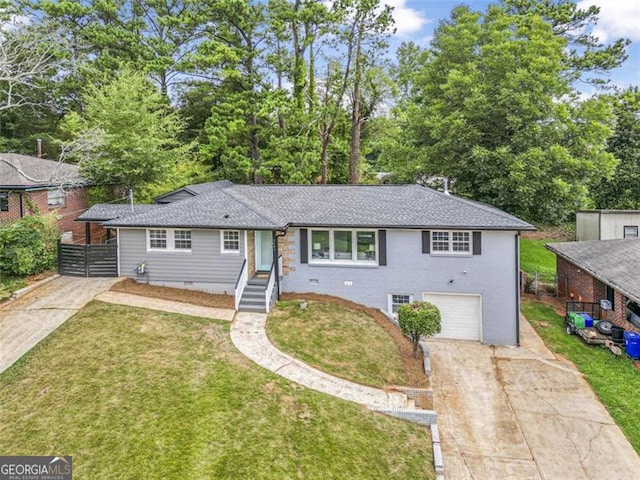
(495, 111)
(417, 320)
(622, 190)
(129, 135)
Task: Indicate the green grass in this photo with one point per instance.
(615, 380)
(534, 258)
(133, 393)
(337, 340)
(8, 285)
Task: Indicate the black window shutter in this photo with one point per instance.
(477, 243)
(426, 241)
(304, 246)
(382, 247)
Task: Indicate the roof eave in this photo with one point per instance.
(415, 227)
(594, 274)
(115, 224)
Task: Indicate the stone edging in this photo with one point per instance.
(23, 291)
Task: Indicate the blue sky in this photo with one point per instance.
(416, 19)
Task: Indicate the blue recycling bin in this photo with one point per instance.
(632, 344)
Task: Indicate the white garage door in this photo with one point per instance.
(461, 314)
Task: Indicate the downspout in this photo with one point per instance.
(21, 205)
(517, 262)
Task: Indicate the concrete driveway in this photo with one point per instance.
(521, 413)
(30, 318)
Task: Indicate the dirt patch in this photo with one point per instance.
(561, 234)
(413, 367)
(176, 294)
(556, 303)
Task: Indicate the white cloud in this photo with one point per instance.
(618, 18)
(408, 20)
(14, 23)
(424, 41)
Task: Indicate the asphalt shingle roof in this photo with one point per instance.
(197, 189)
(38, 172)
(277, 206)
(614, 262)
(106, 211)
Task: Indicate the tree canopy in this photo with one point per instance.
(301, 91)
(493, 109)
(128, 134)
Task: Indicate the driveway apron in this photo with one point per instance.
(521, 413)
(26, 321)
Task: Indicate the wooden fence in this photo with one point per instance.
(99, 260)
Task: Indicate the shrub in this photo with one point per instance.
(419, 319)
(29, 245)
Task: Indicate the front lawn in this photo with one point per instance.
(615, 380)
(134, 393)
(344, 342)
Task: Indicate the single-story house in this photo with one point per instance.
(380, 246)
(30, 185)
(595, 270)
(607, 224)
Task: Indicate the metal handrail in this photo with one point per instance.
(269, 290)
(244, 264)
(241, 282)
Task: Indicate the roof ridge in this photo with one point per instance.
(485, 207)
(247, 202)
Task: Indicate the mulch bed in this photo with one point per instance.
(193, 297)
(413, 367)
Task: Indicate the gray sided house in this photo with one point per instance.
(380, 246)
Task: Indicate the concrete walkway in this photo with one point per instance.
(26, 321)
(249, 336)
(522, 413)
(166, 305)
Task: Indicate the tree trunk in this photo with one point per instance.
(356, 114)
(298, 62)
(255, 148)
(313, 99)
(324, 157)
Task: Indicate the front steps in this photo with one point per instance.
(252, 299)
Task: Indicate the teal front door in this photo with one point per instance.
(264, 250)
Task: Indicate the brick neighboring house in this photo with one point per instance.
(30, 185)
(593, 270)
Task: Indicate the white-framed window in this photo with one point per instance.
(631, 231)
(230, 241)
(168, 240)
(182, 239)
(343, 246)
(55, 198)
(157, 239)
(451, 242)
(396, 300)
